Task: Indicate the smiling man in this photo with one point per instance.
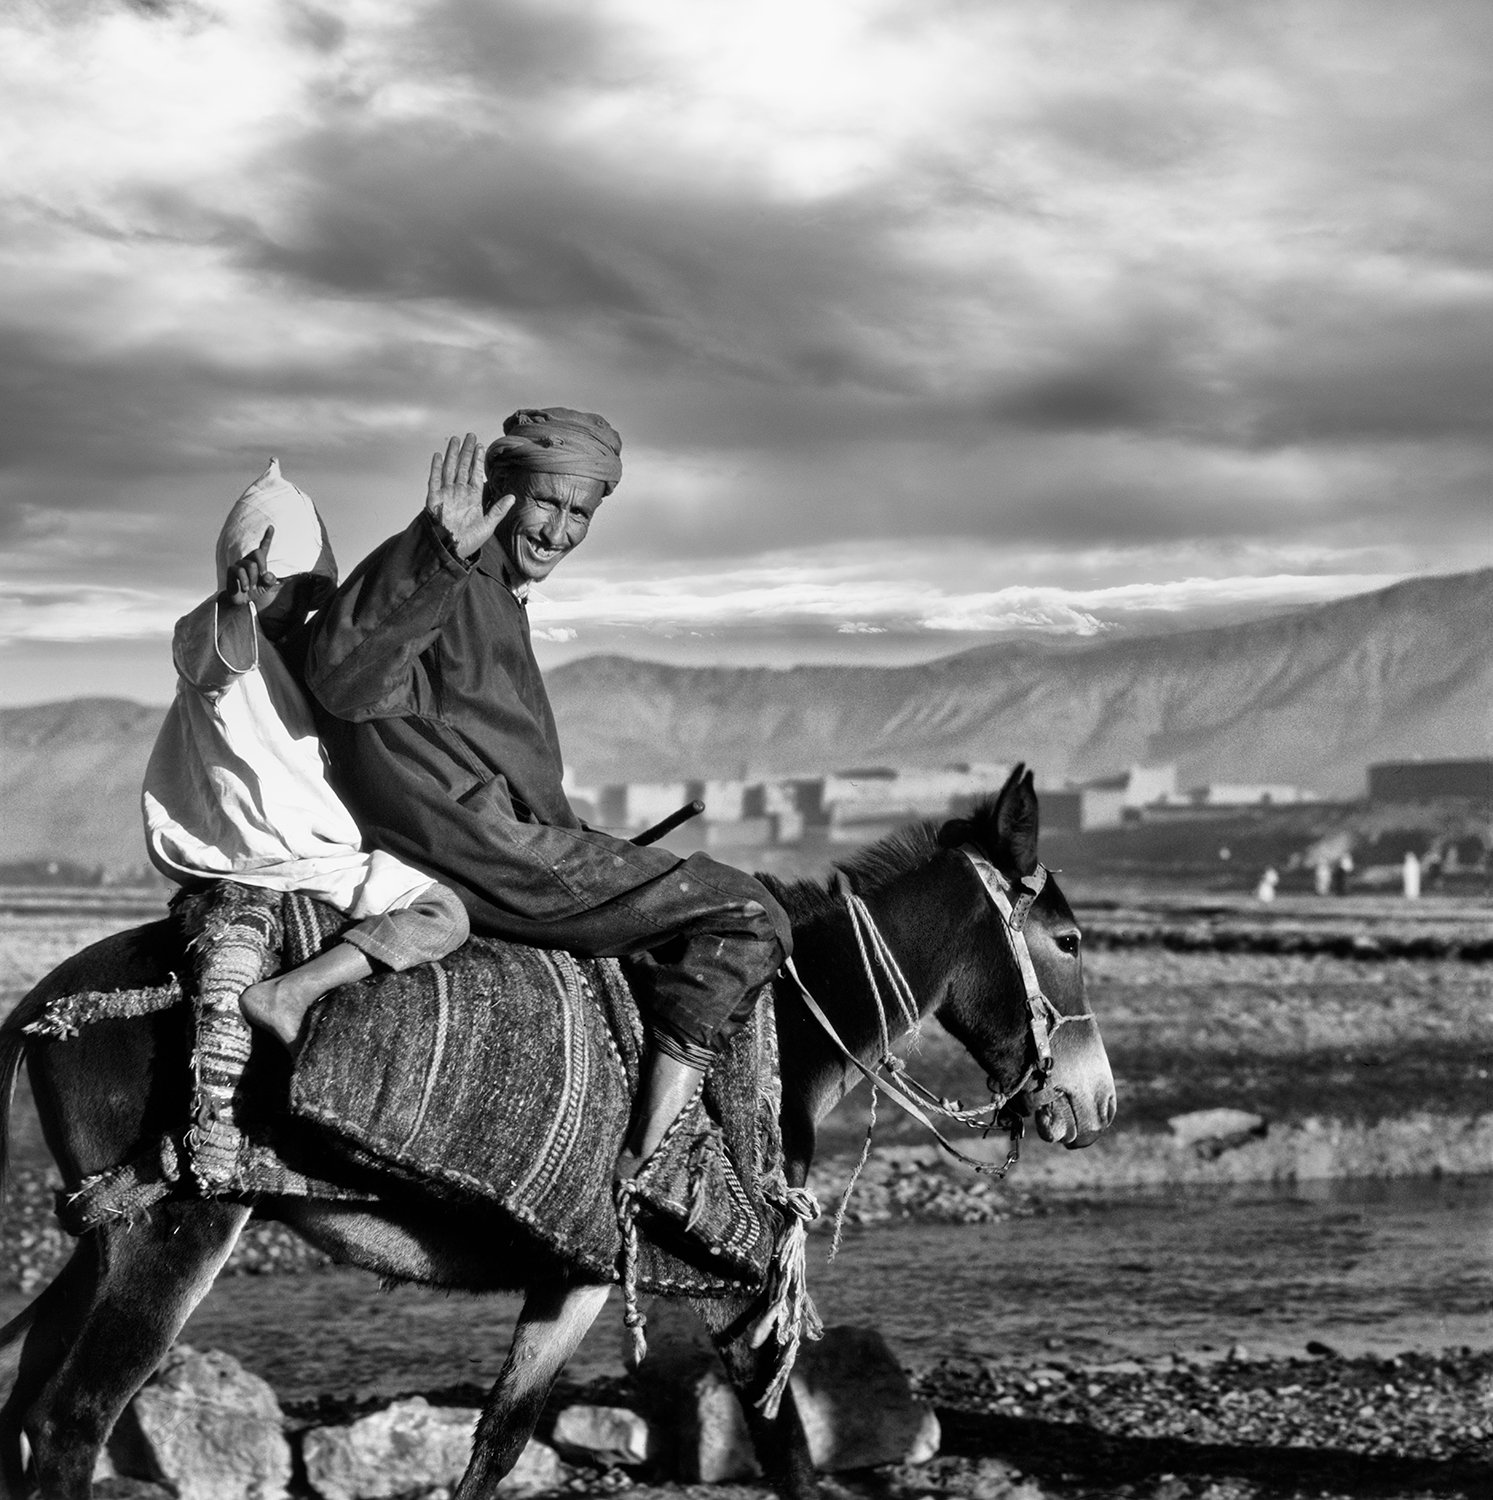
(443, 745)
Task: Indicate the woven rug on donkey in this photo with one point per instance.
(504, 1076)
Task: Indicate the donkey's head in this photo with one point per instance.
(1016, 999)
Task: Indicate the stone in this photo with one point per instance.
(712, 1444)
(857, 1405)
(604, 1435)
(538, 1469)
(390, 1452)
(206, 1428)
(115, 1487)
(854, 1399)
(1211, 1132)
(407, 1447)
(926, 1441)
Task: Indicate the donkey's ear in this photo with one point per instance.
(1016, 820)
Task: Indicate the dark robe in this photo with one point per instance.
(442, 743)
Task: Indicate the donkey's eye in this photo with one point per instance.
(1068, 942)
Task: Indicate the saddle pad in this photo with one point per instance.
(504, 1075)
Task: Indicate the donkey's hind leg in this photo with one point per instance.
(553, 1322)
(44, 1331)
(150, 1276)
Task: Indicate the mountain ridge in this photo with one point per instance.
(1309, 697)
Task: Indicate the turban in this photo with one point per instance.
(557, 440)
(299, 544)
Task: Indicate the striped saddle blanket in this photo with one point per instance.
(501, 1077)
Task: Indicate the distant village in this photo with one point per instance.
(1140, 820)
(858, 805)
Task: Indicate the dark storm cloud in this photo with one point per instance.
(1360, 372)
(673, 273)
(517, 49)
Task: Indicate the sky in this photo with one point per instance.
(923, 321)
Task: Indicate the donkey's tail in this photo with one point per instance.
(19, 1324)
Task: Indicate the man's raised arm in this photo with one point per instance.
(365, 645)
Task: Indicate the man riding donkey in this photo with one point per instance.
(441, 739)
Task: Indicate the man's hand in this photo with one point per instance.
(249, 579)
(454, 496)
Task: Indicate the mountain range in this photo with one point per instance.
(1309, 698)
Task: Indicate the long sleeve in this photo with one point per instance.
(363, 657)
(198, 660)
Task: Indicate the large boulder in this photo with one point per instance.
(407, 1447)
(855, 1401)
(207, 1429)
(857, 1405)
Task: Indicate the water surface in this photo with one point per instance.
(1362, 1266)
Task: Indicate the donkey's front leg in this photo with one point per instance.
(553, 1322)
(781, 1446)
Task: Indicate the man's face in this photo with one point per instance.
(549, 518)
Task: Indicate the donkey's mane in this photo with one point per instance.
(877, 865)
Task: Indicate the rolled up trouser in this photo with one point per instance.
(699, 989)
(430, 925)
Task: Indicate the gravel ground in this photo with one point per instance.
(1318, 1427)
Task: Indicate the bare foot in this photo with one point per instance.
(273, 1007)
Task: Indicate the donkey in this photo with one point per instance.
(958, 920)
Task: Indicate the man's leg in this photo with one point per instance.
(667, 1085)
(698, 992)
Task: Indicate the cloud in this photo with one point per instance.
(843, 601)
(44, 613)
(1023, 291)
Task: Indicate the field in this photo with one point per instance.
(1360, 1030)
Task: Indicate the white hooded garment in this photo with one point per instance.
(236, 787)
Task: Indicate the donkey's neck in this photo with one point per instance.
(844, 977)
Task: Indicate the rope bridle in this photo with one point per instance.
(1013, 902)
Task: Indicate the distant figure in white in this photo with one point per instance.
(1322, 877)
(237, 786)
(1265, 890)
(1411, 875)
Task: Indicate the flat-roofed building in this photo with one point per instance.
(1425, 780)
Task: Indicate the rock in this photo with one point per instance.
(408, 1447)
(538, 1469)
(854, 1398)
(1211, 1132)
(712, 1444)
(207, 1428)
(604, 1435)
(116, 1488)
(926, 1441)
(856, 1403)
(390, 1452)
(994, 1479)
